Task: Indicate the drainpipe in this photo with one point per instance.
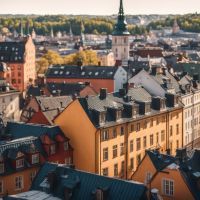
(192, 120)
(126, 149)
(100, 153)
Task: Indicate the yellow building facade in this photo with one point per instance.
(115, 148)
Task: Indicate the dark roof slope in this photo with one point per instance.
(12, 52)
(84, 185)
(20, 130)
(83, 72)
(160, 161)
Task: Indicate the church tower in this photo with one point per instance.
(120, 38)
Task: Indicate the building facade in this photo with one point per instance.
(160, 81)
(120, 38)
(115, 130)
(166, 177)
(26, 148)
(20, 58)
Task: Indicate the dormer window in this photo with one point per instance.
(118, 114)
(105, 135)
(1, 168)
(35, 158)
(162, 104)
(20, 163)
(66, 146)
(52, 149)
(102, 118)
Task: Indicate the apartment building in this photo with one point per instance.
(115, 129)
(160, 81)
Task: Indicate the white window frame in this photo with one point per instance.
(19, 182)
(20, 163)
(35, 158)
(171, 189)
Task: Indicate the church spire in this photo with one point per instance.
(121, 9)
(121, 25)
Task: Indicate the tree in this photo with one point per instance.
(42, 65)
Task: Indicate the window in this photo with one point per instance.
(122, 168)
(151, 123)
(68, 160)
(118, 114)
(177, 129)
(1, 168)
(122, 149)
(114, 133)
(132, 127)
(131, 146)
(32, 175)
(138, 144)
(138, 127)
(52, 149)
(122, 130)
(105, 135)
(168, 187)
(114, 151)
(145, 124)
(138, 159)
(35, 158)
(151, 140)
(171, 131)
(105, 172)
(19, 183)
(144, 141)
(102, 118)
(162, 136)
(157, 121)
(148, 177)
(66, 146)
(157, 138)
(116, 170)
(105, 154)
(131, 163)
(19, 163)
(1, 186)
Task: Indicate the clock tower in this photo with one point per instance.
(120, 38)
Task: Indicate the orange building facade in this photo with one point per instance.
(165, 174)
(116, 148)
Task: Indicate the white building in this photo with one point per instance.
(160, 82)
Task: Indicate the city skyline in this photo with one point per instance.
(101, 7)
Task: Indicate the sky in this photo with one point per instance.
(98, 7)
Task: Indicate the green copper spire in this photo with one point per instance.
(121, 25)
(121, 9)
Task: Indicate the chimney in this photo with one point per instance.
(42, 92)
(181, 154)
(168, 151)
(52, 180)
(103, 93)
(122, 92)
(195, 77)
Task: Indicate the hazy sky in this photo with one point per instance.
(99, 7)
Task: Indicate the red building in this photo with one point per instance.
(24, 148)
(20, 58)
(98, 76)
